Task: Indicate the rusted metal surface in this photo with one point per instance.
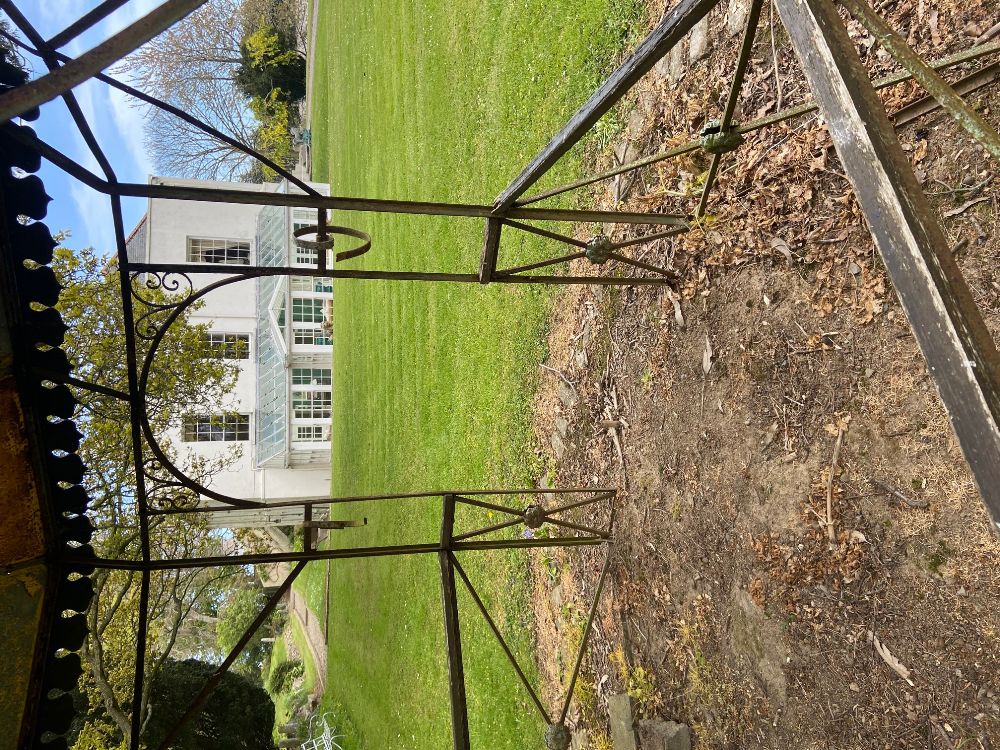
(84, 22)
(753, 18)
(961, 355)
(973, 53)
(963, 87)
(500, 639)
(453, 630)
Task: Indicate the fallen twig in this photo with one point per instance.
(891, 661)
(991, 32)
(888, 488)
(553, 370)
(965, 207)
(829, 487)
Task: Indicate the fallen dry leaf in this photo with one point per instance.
(776, 243)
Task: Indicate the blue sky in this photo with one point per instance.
(116, 123)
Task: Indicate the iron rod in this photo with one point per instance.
(649, 238)
(256, 559)
(21, 99)
(966, 85)
(85, 384)
(141, 631)
(557, 541)
(486, 505)
(932, 82)
(608, 495)
(734, 94)
(466, 278)
(577, 527)
(500, 639)
(487, 529)
(677, 22)
(199, 700)
(84, 22)
(949, 61)
(401, 496)
(70, 100)
(380, 205)
(452, 630)
(586, 636)
(583, 280)
(639, 264)
(546, 233)
(27, 137)
(540, 264)
(181, 114)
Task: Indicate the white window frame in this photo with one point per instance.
(211, 428)
(309, 330)
(221, 348)
(197, 248)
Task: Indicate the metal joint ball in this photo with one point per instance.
(598, 249)
(534, 516)
(557, 737)
(715, 140)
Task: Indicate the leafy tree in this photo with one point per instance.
(235, 617)
(273, 136)
(269, 63)
(13, 66)
(193, 65)
(179, 383)
(238, 713)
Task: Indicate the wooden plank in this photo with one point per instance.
(453, 632)
(961, 355)
(491, 249)
(678, 22)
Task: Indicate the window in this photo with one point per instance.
(216, 427)
(310, 336)
(305, 310)
(230, 252)
(311, 376)
(226, 345)
(311, 284)
(310, 433)
(312, 404)
(308, 256)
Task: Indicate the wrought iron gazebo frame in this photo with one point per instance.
(961, 355)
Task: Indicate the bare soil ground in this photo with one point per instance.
(715, 409)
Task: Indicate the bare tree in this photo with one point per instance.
(193, 66)
(179, 148)
(203, 47)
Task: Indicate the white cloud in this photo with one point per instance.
(129, 122)
(94, 210)
(136, 9)
(60, 13)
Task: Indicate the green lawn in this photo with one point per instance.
(438, 100)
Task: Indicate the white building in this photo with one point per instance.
(279, 330)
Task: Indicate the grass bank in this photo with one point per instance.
(438, 100)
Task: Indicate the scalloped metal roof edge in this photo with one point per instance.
(44, 459)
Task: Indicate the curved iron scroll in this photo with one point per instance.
(174, 493)
(365, 246)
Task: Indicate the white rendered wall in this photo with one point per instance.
(231, 309)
